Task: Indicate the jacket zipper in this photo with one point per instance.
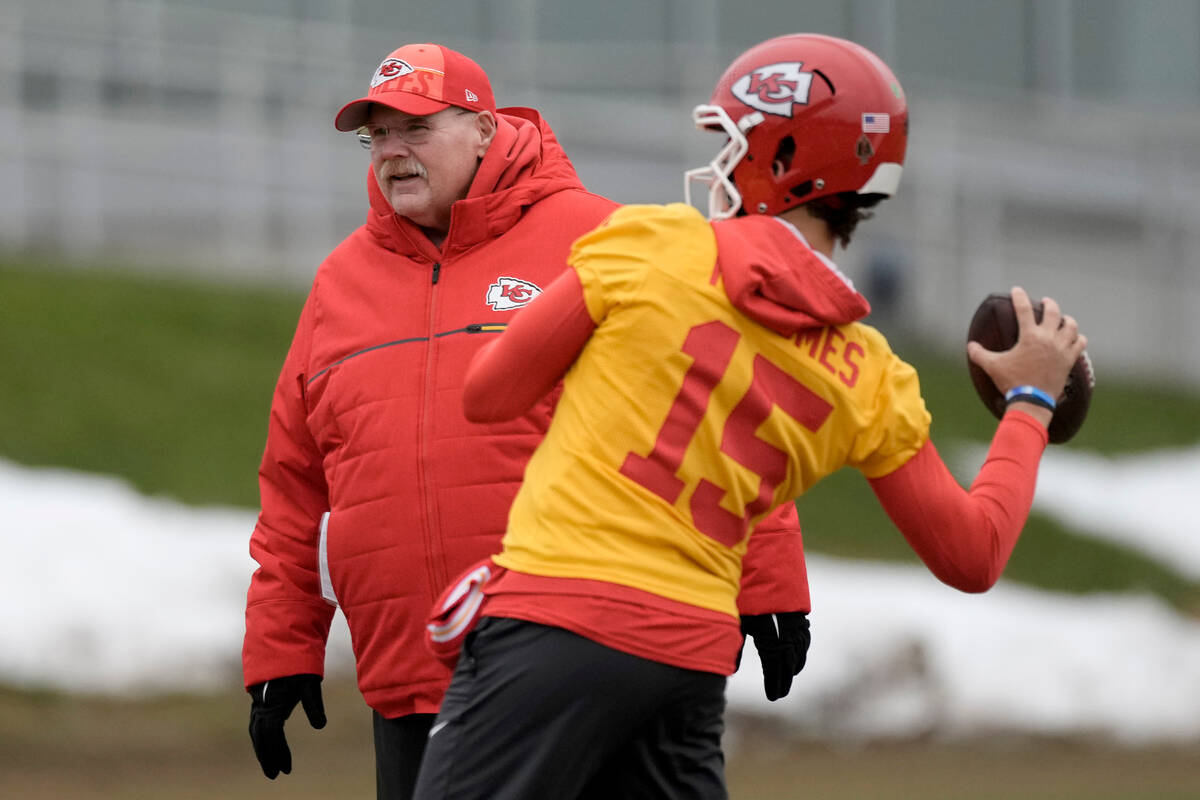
(436, 557)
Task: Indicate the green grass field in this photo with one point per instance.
(168, 383)
(165, 383)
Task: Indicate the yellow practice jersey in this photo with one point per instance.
(683, 421)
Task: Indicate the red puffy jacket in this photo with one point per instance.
(375, 489)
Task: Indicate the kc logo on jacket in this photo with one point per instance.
(507, 294)
(774, 88)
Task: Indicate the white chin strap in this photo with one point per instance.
(724, 199)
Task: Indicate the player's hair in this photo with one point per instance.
(843, 211)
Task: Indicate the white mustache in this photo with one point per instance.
(404, 167)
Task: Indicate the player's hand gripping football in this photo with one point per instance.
(1042, 357)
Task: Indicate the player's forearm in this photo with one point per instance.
(774, 576)
(966, 537)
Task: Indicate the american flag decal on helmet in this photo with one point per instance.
(876, 123)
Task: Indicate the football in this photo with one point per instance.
(994, 326)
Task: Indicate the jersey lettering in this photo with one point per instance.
(811, 337)
(852, 349)
(770, 387)
(825, 343)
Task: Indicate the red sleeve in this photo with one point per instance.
(507, 376)
(966, 537)
(774, 576)
(287, 621)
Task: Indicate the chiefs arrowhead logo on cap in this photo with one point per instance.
(774, 88)
(507, 294)
(421, 79)
(390, 68)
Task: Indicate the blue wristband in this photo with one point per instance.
(1030, 394)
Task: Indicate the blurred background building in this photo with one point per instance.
(1055, 143)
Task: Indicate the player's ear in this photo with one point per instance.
(784, 154)
(485, 126)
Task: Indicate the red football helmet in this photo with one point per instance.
(839, 105)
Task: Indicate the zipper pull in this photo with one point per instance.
(437, 268)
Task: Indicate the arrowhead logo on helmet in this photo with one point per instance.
(775, 88)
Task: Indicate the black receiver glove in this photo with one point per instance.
(782, 643)
(271, 703)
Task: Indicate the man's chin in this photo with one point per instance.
(415, 209)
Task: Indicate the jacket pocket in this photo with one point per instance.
(323, 562)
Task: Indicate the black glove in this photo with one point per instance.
(782, 642)
(271, 703)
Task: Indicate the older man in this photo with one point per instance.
(375, 489)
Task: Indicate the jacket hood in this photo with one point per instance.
(523, 164)
(773, 276)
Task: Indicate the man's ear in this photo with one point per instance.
(485, 125)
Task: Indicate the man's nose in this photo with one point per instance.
(392, 145)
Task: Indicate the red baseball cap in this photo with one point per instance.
(421, 79)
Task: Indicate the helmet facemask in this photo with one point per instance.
(724, 199)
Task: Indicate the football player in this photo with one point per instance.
(712, 370)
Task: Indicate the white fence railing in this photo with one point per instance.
(199, 140)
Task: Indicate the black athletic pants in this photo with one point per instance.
(399, 744)
(538, 712)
